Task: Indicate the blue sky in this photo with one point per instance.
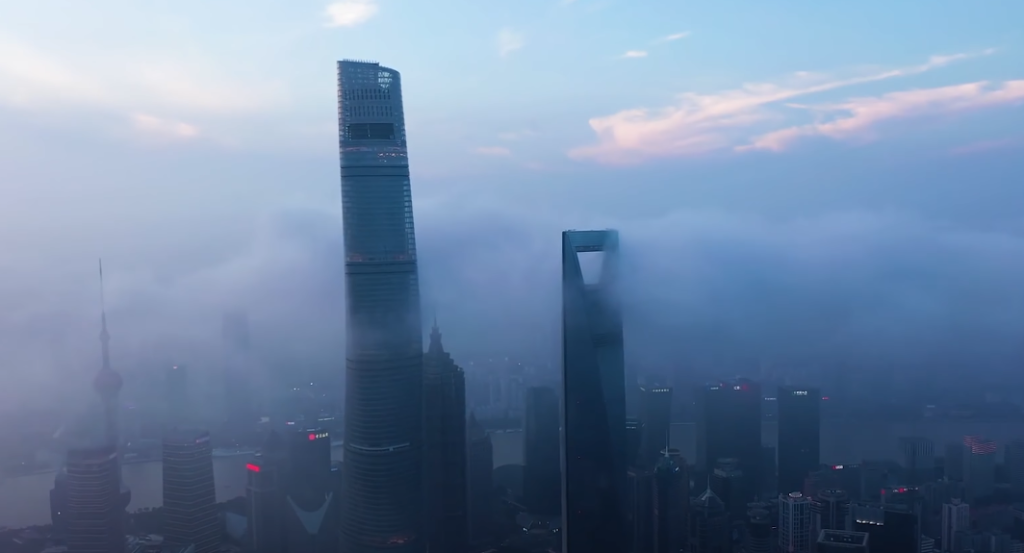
(192, 143)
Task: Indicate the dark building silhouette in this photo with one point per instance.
(594, 401)
(634, 438)
(830, 510)
(175, 396)
(757, 536)
(239, 407)
(671, 502)
(445, 454)
(640, 508)
(384, 365)
(265, 499)
(799, 436)
(839, 541)
(729, 427)
(708, 528)
(656, 414)
(190, 497)
(310, 504)
(480, 482)
(542, 471)
(730, 485)
(95, 514)
(890, 528)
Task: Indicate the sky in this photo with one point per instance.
(794, 181)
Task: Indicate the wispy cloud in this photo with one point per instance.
(859, 118)
(509, 41)
(350, 13)
(516, 135)
(497, 151)
(156, 126)
(633, 54)
(700, 123)
(674, 37)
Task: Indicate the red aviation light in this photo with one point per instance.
(252, 467)
(312, 437)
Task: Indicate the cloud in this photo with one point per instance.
(859, 118)
(700, 123)
(634, 54)
(350, 13)
(674, 37)
(155, 125)
(499, 151)
(509, 41)
(985, 146)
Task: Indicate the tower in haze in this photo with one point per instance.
(238, 401)
(799, 436)
(444, 410)
(594, 398)
(542, 468)
(108, 382)
(384, 359)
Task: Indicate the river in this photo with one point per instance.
(25, 500)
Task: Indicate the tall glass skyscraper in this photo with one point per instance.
(384, 387)
(594, 399)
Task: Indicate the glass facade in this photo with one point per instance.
(190, 502)
(383, 399)
(594, 400)
(799, 436)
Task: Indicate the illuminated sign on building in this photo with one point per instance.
(799, 392)
(317, 436)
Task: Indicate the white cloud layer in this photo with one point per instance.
(634, 54)
(350, 13)
(509, 41)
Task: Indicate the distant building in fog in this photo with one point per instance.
(175, 396)
(542, 471)
(979, 467)
(1014, 461)
(95, 514)
(708, 528)
(189, 495)
(656, 414)
(730, 428)
(918, 459)
(799, 447)
(480, 482)
(840, 541)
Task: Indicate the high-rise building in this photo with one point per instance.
(310, 506)
(757, 537)
(799, 436)
(979, 467)
(175, 396)
(480, 482)
(841, 541)
(830, 510)
(956, 517)
(640, 508)
(634, 438)
(708, 528)
(444, 449)
(594, 402)
(729, 427)
(671, 499)
(384, 360)
(542, 470)
(656, 413)
(794, 523)
(1014, 460)
(265, 499)
(239, 407)
(729, 484)
(954, 462)
(94, 512)
(190, 497)
(918, 459)
(891, 528)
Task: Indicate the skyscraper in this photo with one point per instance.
(384, 360)
(799, 435)
(1014, 457)
(656, 408)
(594, 401)
(310, 507)
(918, 459)
(94, 512)
(979, 467)
(794, 523)
(190, 498)
(479, 481)
(956, 517)
(542, 471)
(175, 396)
(708, 528)
(444, 449)
(265, 499)
(240, 414)
(830, 510)
(729, 427)
(671, 499)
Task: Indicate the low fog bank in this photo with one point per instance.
(703, 291)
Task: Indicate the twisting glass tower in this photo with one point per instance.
(384, 386)
(594, 401)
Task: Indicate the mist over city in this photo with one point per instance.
(827, 225)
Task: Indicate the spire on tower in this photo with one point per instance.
(104, 335)
(435, 339)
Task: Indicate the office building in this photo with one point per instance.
(189, 494)
(729, 484)
(830, 510)
(1014, 460)
(634, 438)
(794, 523)
(708, 528)
(239, 406)
(310, 506)
(444, 409)
(729, 427)
(384, 360)
(954, 461)
(176, 404)
(95, 514)
(979, 467)
(656, 414)
(841, 541)
(671, 499)
(594, 412)
(640, 508)
(542, 471)
(799, 436)
(757, 537)
(265, 498)
(480, 482)
(956, 518)
(891, 528)
(918, 459)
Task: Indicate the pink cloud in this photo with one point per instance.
(864, 115)
(700, 123)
